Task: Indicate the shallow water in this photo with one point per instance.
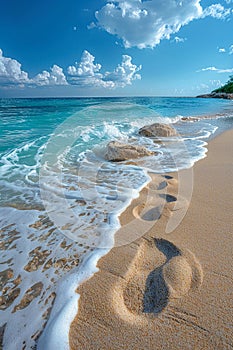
(60, 200)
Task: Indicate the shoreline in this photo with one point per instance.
(221, 95)
(43, 276)
(117, 291)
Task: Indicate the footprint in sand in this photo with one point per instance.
(160, 203)
(148, 213)
(153, 209)
(174, 278)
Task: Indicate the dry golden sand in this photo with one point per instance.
(168, 291)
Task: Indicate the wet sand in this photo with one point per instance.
(167, 291)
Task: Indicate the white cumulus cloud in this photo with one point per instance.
(231, 50)
(124, 73)
(216, 11)
(221, 50)
(87, 73)
(11, 72)
(86, 67)
(145, 23)
(54, 77)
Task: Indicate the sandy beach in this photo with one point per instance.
(168, 291)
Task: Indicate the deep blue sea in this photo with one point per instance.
(60, 199)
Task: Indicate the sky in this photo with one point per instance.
(72, 48)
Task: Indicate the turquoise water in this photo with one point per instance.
(23, 120)
(60, 199)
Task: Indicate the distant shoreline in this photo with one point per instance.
(223, 95)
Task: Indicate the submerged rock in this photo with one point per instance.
(117, 151)
(157, 130)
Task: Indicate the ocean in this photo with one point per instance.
(60, 200)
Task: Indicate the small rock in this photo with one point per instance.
(157, 130)
(117, 151)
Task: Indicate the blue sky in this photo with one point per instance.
(122, 48)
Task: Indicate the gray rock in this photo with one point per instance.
(157, 130)
(117, 151)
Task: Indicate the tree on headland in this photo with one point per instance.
(227, 88)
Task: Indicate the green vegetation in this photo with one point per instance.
(227, 88)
